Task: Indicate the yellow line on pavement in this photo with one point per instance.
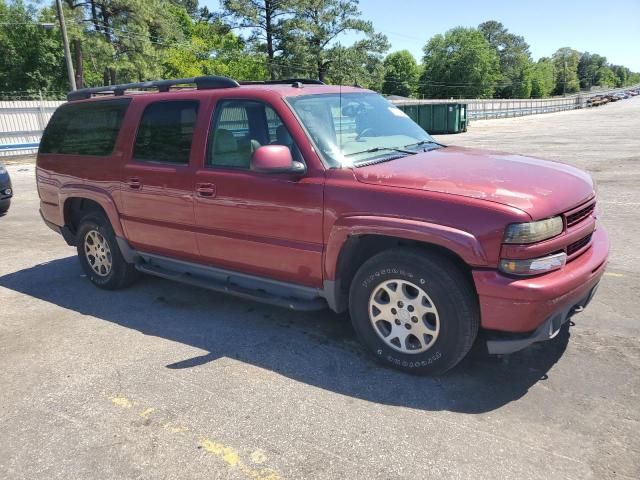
(251, 469)
(232, 458)
(122, 402)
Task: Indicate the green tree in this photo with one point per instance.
(606, 77)
(31, 58)
(516, 67)
(358, 64)
(211, 49)
(566, 62)
(315, 26)
(594, 70)
(264, 18)
(459, 63)
(623, 75)
(125, 40)
(400, 74)
(543, 78)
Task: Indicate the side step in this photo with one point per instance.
(219, 285)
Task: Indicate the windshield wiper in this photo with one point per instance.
(382, 149)
(423, 142)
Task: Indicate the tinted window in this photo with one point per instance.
(166, 131)
(240, 127)
(84, 128)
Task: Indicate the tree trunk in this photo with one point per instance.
(268, 11)
(105, 23)
(321, 70)
(94, 16)
(77, 50)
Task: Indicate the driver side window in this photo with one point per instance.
(239, 128)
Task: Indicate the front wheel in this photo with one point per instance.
(414, 310)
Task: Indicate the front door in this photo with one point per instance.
(158, 212)
(261, 224)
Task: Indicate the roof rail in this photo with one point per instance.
(202, 83)
(304, 81)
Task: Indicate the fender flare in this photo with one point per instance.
(460, 242)
(101, 197)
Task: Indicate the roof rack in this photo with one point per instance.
(284, 81)
(202, 83)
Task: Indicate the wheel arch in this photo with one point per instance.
(350, 245)
(76, 203)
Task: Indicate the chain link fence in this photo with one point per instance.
(485, 109)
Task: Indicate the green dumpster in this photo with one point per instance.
(438, 118)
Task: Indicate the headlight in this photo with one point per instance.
(532, 232)
(2, 170)
(534, 266)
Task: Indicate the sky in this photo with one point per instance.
(611, 29)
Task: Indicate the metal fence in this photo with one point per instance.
(22, 123)
(483, 109)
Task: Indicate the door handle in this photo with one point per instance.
(134, 183)
(206, 189)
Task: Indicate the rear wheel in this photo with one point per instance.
(100, 256)
(414, 310)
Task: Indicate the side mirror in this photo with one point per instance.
(275, 159)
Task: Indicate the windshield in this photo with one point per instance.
(357, 128)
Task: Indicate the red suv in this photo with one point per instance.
(306, 195)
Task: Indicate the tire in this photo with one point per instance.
(427, 286)
(103, 263)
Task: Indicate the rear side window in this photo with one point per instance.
(85, 128)
(166, 131)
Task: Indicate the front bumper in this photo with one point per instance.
(548, 330)
(522, 305)
(5, 199)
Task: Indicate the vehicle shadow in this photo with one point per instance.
(317, 348)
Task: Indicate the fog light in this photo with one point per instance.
(8, 191)
(534, 266)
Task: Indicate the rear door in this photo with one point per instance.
(258, 223)
(158, 189)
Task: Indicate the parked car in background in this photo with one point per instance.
(306, 195)
(6, 190)
(596, 101)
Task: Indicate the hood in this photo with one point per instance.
(539, 187)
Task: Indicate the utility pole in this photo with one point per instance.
(65, 44)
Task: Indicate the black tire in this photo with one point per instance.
(451, 294)
(121, 274)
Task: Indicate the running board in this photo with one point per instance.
(230, 284)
